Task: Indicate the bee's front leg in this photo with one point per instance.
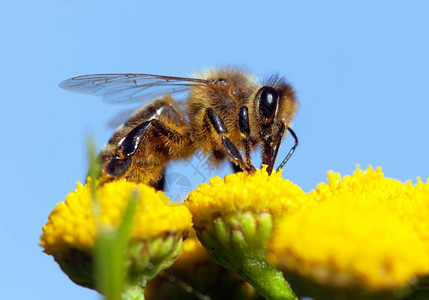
(243, 122)
(231, 150)
(291, 151)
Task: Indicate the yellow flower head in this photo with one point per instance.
(354, 235)
(75, 226)
(72, 223)
(234, 219)
(240, 192)
(410, 202)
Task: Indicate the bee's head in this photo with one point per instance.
(275, 106)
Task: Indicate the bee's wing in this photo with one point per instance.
(120, 117)
(129, 87)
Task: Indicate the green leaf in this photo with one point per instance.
(111, 245)
(110, 256)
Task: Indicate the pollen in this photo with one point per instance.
(361, 230)
(71, 224)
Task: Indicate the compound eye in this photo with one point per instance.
(268, 102)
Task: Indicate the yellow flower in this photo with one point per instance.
(234, 219)
(243, 192)
(355, 236)
(72, 224)
(412, 206)
(156, 234)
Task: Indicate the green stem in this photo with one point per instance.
(267, 280)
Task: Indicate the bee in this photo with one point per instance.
(226, 113)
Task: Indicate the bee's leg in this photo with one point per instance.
(292, 150)
(158, 134)
(236, 168)
(231, 149)
(269, 153)
(128, 145)
(243, 122)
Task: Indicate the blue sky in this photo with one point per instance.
(360, 69)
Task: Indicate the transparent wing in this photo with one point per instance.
(129, 87)
(120, 117)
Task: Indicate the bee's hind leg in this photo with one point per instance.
(146, 143)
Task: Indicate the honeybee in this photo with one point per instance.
(227, 112)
